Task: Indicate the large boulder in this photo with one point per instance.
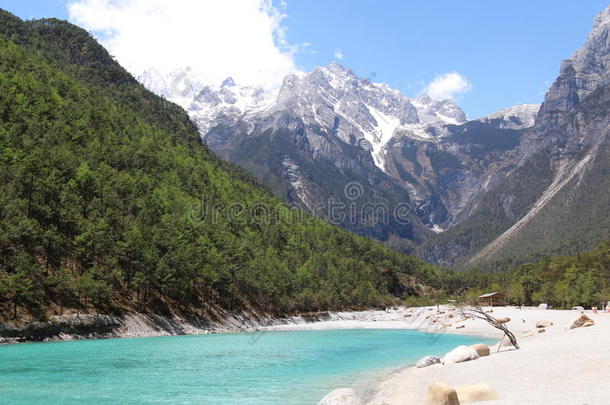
(441, 394)
(544, 324)
(428, 361)
(475, 393)
(502, 320)
(482, 349)
(582, 321)
(341, 396)
(460, 354)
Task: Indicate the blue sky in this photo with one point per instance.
(509, 51)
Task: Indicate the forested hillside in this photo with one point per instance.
(560, 281)
(110, 202)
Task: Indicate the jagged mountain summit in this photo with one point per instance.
(358, 111)
(206, 104)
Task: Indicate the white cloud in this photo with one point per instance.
(447, 85)
(244, 39)
(338, 54)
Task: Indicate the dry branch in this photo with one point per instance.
(478, 312)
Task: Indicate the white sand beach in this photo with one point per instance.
(557, 366)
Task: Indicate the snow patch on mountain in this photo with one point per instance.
(383, 132)
(438, 111)
(228, 100)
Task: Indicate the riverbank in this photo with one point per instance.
(556, 366)
(90, 326)
(432, 319)
(100, 326)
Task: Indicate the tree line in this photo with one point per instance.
(560, 281)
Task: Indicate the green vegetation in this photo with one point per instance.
(560, 281)
(102, 185)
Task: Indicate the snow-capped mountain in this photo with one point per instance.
(332, 123)
(516, 117)
(358, 111)
(208, 104)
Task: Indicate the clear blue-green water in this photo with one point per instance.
(288, 368)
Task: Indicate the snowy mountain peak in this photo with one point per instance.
(331, 98)
(516, 117)
(438, 111)
(602, 21)
(228, 82)
(335, 68)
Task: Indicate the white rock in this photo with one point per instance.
(341, 396)
(460, 354)
(428, 361)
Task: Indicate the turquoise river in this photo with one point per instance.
(288, 368)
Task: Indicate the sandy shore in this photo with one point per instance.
(425, 319)
(558, 366)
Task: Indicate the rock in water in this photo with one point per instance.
(584, 320)
(460, 354)
(441, 394)
(475, 393)
(341, 396)
(428, 361)
(482, 349)
(544, 324)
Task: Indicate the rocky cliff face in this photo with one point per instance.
(550, 194)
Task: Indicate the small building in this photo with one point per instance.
(492, 299)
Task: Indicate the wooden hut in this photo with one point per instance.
(492, 299)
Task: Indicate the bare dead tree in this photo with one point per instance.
(479, 313)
